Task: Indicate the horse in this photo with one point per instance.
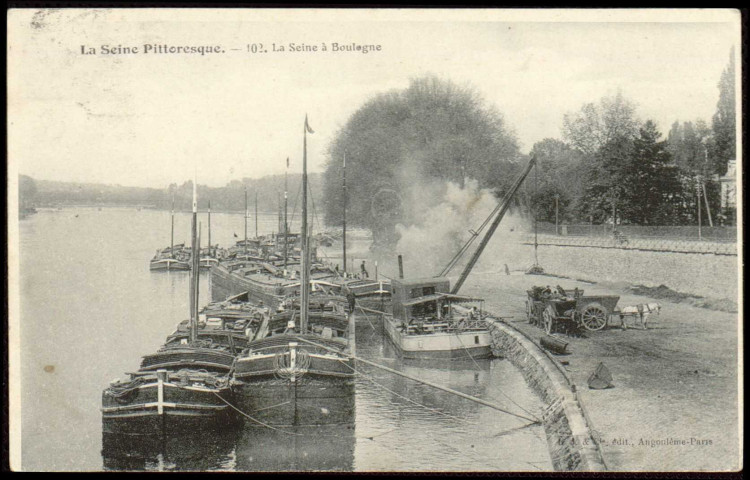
(641, 311)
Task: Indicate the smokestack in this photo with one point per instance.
(400, 267)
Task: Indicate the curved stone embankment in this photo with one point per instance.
(571, 444)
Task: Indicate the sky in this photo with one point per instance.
(155, 119)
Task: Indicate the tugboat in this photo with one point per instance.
(184, 385)
(299, 370)
(429, 322)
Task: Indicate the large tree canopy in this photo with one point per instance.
(637, 177)
(688, 144)
(400, 143)
(561, 173)
(596, 125)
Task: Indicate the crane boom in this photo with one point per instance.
(493, 226)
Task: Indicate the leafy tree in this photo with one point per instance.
(689, 144)
(401, 146)
(606, 180)
(560, 174)
(654, 191)
(694, 151)
(595, 125)
(724, 120)
(638, 175)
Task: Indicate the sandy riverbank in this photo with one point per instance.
(674, 383)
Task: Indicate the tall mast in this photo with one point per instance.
(256, 214)
(209, 229)
(195, 270)
(246, 220)
(171, 238)
(536, 187)
(286, 225)
(305, 278)
(344, 234)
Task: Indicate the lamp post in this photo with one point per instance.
(614, 211)
(557, 213)
(698, 203)
(703, 185)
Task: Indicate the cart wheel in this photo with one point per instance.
(548, 319)
(594, 317)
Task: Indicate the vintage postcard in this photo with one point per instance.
(375, 240)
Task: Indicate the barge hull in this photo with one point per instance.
(175, 408)
(225, 284)
(442, 345)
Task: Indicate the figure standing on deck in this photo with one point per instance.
(364, 270)
(352, 300)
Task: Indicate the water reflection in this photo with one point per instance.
(470, 376)
(300, 404)
(405, 425)
(206, 450)
(297, 448)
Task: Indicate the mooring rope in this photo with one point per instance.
(367, 318)
(253, 418)
(479, 369)
(368, 437)
(434, 410)
(263, 424)
(504, 432)
(434, 385)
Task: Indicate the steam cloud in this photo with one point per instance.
(441, 228)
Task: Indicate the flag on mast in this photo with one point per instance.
(307, 126)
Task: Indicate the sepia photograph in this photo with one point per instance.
(374, 240)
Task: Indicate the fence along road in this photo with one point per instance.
(680, 239)
(654, 245)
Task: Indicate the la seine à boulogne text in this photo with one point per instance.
(251, 48)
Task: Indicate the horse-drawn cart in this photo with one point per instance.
(548, 309)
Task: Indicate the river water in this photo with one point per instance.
(90, 308)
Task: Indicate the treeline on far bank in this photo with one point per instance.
(231, 197)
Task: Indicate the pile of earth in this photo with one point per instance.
(666, 293)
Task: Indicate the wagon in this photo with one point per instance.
(549, 309)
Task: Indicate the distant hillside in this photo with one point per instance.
(270, 191)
